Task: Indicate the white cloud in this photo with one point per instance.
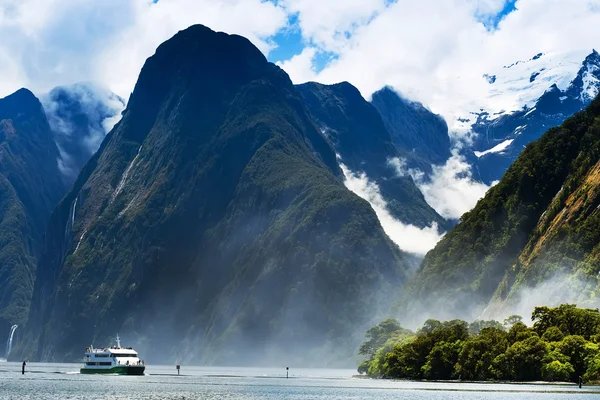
(451, 189)
(328, 24)
(301, 66)
(437, 51)
(46, 43)
(408, 237)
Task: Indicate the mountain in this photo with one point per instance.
(419, 133)
(80, 115)
(212, 226)
(500, 137)
(30, 187)
(538, 227)
(365, 146)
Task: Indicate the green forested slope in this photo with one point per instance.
(539, 221)
(213, 225)
(30, 186)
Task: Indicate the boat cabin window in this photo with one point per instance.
(102, 355)
(98, 363)
(123, 355)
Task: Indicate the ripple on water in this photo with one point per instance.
(63, 381)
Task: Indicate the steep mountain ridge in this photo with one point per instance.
(540, 222)
(213, 224)
(30, 186)
(364, 144)
(419, 134)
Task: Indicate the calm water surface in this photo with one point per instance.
(63, 381)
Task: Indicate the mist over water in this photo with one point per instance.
(560, 288)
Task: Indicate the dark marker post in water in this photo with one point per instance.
(178, 367)
(23, 368)
(287, 372)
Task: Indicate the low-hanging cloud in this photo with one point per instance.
(408, 237)
(451, 189)
(80, 116)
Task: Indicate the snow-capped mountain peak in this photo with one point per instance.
(590, 77)
(541, 100)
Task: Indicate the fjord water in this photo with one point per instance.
(62, 381)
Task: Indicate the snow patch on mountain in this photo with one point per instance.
(591, 84)
(499, 148)
(518, 86)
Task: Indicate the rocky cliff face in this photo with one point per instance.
(212, 225)
(30, 186)
(420, 135)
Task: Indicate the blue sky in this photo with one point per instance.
(289, 41)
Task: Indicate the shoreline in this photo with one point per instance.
(539, 383)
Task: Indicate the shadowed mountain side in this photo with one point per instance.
(213, 225)
(359, 136)
(30, 186)
(420, 135)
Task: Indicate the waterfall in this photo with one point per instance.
(74, 210)
(10, 339)
(125, 175)
(80, 239)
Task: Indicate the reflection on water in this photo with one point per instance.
(63, 381)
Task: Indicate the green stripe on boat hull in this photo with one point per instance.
(120, 370)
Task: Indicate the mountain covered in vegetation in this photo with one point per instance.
(364, 144)
(30, 187)
(539, 224)
(212, 225)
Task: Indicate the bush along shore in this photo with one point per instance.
(562, 345)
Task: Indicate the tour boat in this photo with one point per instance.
(112, 360)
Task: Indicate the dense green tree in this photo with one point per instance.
(484, 350)
(568, 318)
(522, 361)
(593, 371)
(376, 366)
(519, 331)
(579, 352)
(441, 360)
(555, 371)
(476, 326)
(553, 334)
(379, 334)
(513, 319)
(478, 352)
